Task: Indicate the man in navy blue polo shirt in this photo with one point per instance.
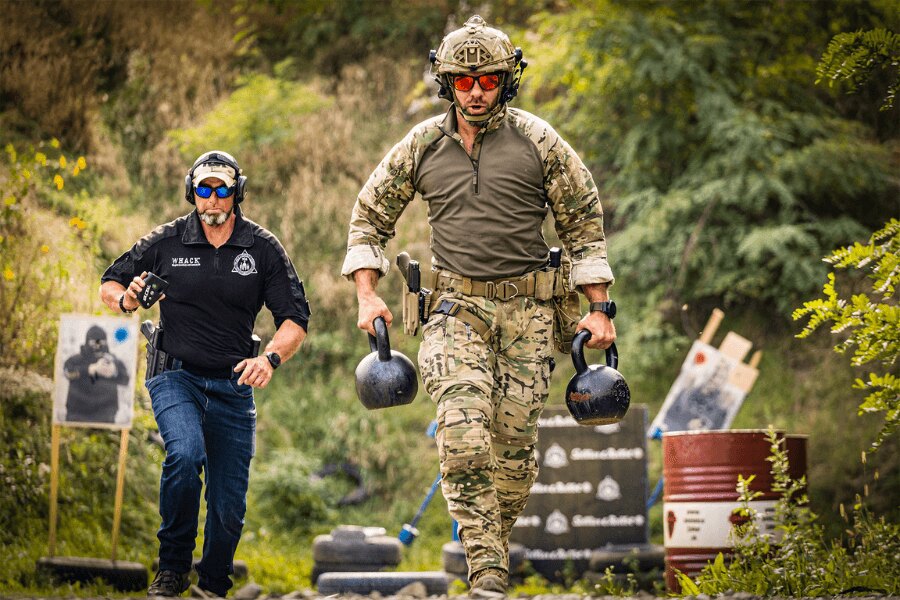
(221, 268)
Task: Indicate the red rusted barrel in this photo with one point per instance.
(700, 471)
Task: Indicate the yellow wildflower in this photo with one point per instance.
(76, 171)
(62, 162)
(26, 173)
(58, 180)
(8, 274)
(82, 164)
(45, 248)
(41, 158)
(9, 200)
(54, 142)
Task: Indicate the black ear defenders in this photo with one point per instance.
(216, 157)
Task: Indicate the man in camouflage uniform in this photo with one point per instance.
(488, 173)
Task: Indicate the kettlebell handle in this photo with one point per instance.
(612, 353)
(380, 342)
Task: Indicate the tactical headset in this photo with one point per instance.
(216, 157)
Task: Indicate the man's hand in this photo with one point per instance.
(370, 303)
(603, 332)
(255, 372)
(369, 309)
(137, 285)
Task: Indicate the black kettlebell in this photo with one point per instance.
(385, 377)
(596, 394)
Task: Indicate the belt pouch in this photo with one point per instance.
(543, 284)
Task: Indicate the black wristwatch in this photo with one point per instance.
(127, 311)
(274, 359)
(607, 308)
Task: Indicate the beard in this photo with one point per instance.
(214, 220)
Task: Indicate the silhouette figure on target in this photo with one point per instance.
(94, 376)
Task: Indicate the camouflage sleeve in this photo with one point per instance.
(577, 213)
(378, 206)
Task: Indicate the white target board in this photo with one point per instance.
(96, 362)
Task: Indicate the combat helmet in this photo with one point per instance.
(477, 48)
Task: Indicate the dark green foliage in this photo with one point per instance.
(24, 462)
(855, 58)
(726, 174)
(324, 36)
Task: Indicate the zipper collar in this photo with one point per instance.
(449, 124)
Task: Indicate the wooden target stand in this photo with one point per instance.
(122, 575)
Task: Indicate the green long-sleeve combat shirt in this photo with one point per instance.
(485, 209)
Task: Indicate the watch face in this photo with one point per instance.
(611, 309)
(274, 359)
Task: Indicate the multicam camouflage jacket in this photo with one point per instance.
(485, 208)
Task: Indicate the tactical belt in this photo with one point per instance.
(173, 364)
(537, 284)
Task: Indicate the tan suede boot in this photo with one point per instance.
(488, 583)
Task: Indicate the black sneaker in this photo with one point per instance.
(169, 584)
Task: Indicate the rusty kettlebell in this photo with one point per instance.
(385, 377)
(596, 394)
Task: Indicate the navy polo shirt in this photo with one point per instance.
(214, 294)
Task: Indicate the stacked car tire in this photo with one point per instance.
(351, 548)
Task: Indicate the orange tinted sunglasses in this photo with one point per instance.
(487, 82)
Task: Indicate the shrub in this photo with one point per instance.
(803, 562)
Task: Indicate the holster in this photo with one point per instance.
(410, 312)
(156, 358)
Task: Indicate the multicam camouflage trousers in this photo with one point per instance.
(489, 397)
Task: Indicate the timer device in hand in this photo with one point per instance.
(154, 287)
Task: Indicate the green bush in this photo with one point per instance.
(288, 495)
(869, 322)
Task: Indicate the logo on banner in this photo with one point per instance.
(244, 264)
(528, 521)
(608, 489)
(555, 457)
(557, 523)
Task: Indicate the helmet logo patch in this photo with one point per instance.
(244, 264)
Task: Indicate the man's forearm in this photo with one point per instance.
(366, 280)
(110, 291)
(286, 340)
(595, 292)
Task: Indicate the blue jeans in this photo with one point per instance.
(208, 425)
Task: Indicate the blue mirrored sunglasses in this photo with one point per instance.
(205, 191)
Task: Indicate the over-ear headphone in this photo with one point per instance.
(216, 157)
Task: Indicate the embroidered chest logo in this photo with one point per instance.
(191, 261)
(244, 264)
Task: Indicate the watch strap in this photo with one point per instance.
(607, 308)
(127, 311)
